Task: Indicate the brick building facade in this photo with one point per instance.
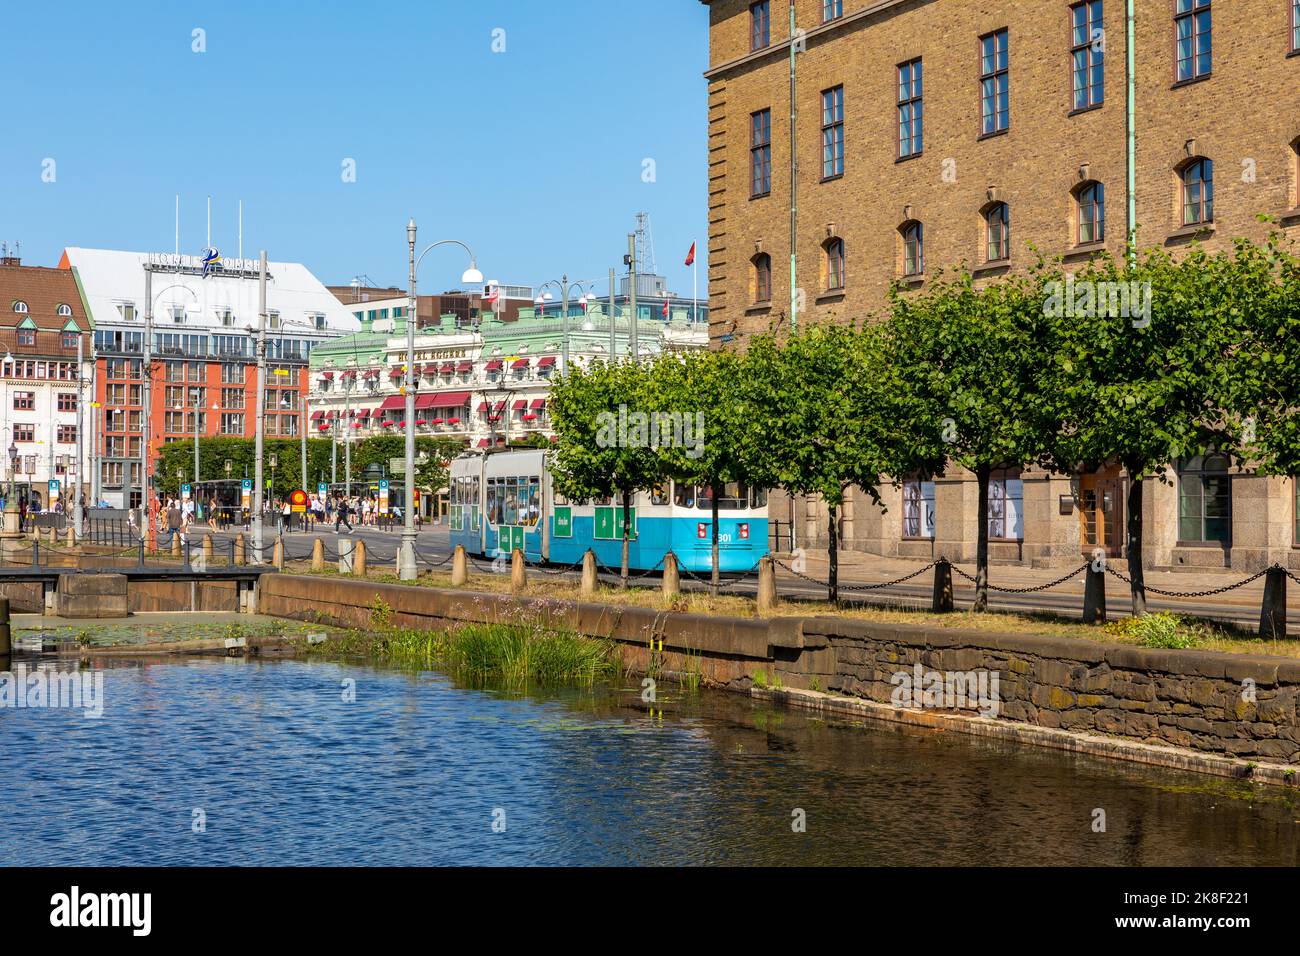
(930, 134)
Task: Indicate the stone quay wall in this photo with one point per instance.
(1200, 710)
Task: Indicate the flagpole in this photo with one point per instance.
(695, 272)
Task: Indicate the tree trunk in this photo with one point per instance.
(1137, 585)
(713, 587)
(833, 555)
(627, 510)
(982, 541)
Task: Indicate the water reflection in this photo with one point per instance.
(286, 771)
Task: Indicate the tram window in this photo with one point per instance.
(758, 497)
(684, 496)
(492, 515)
(659, 495)
(534, 502)
(602, 500)
(704, 498)
(734, 497)
(512, 502)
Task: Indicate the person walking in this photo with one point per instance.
(174, 522)
(342, 511)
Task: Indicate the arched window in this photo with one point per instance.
(1198, 192)
(997, 232)
(760, 279)
(65, 310)
(1205, 500)
(1090, 213)
(20, 306)
(833, 264)
(913, 234)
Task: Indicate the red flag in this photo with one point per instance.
(690, 256)
(665, 308)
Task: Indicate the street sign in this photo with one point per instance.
(298, 502)
(383, 497)
(185, 492)
(246, 492)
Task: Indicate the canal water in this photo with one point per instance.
(217, 761)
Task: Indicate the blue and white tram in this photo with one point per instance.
(504, 500)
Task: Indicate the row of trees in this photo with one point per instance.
(214, 452)
(1137, 365)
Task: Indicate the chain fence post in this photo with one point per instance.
(1094, 595)
(1272, 616)
(941, 601)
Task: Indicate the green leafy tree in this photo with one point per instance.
(700, 395)
(970, 364)
(600, 413)
(1141, 387)
(824, 412)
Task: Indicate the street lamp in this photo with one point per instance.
(565, 287)
(11, 505)
(407, 570)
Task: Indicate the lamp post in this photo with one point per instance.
(407, 570)
(259, 428)
(12, 514)
(146, 373)
(565, 287)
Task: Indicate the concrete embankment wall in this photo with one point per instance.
(1224, 711)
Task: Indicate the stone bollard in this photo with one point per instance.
(277, 555)
(53, 537)
(1094, 596)
(1272, 617)
(318, 555)
(359, 559)
(589, 574)
(941, 599)
(176, 546)
(672, 585)
(346, 546)
(5, 645)
(766, 585)
(459, 567)
(240, 558)
(207, 550)
(518, 576)
(71, 538)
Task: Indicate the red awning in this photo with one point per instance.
(465, 367)
(317, 416)
(501, 406)
(371, 373)
(448, 368)
(443, 400)
(545, 360)
(484, 406)
(522, 403)
(493, 366)
(396, 373)
(327, 375)
(364, 413)
(539, 403)
(519, 363)
(393, 403)
(482, 443)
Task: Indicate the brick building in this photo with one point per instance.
(928, 134)
(45, 321)
(203, 360)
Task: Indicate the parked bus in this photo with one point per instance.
(504, 500)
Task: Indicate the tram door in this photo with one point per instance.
(1101, 514)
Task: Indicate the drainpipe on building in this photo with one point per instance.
(1132, 136)
(794, 180)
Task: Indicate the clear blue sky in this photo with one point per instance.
(533, 156)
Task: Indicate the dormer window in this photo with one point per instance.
(65, 311)
(20, 307)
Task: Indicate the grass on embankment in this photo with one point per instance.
(1164, 629)
(516, 653)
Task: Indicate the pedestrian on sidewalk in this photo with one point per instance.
(342, 512)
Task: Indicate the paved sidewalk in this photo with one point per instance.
(857, 567)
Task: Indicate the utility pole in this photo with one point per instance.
(613, 341)
(406, 567)
(564, 296)
(81, 423)
(258, 427)
(347, 434)
(633, 345)
(302, 428)
(146, 375)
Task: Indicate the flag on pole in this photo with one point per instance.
(665, 307)
(690, 256)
